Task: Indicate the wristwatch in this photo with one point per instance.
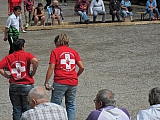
(46, 83)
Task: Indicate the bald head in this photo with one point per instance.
(38, 93)
(107, 97)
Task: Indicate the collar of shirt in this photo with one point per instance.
(107, 108)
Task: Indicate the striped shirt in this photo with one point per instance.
(45, 111)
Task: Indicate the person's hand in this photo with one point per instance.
(9, 13)
(48, 87)
(25, 12)
(9, 76)
(5, 38)
(30, 74)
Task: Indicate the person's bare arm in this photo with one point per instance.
(25, 10)
(35, 12)
(81, 67)
(4, 74)
(48, 75)
(9, 7)
(5, 34)
(34, 62)
(42, 13)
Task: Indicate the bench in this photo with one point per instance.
(107, 14)
(142, 15)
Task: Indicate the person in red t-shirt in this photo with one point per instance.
(63, 61)
(21, 77)
(12, 3)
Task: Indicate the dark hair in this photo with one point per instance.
(154, 96)
(107, 97)
(17, 8)
(18, 44)
(40, 5)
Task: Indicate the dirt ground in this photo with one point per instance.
(124, 59)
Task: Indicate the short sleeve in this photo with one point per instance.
(30, 56)
(52, 57)
(93, 115)
(77, 57)
(3, 63)
(8, 23)
(122, 2)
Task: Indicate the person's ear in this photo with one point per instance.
(34, 101)
(100, 104)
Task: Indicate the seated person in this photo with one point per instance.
(39, 14)
(153, 112)
(56, 12)
(114, 6)
(126, 9)
(151, 8)
(81, 8)
(105, 108)
(41, 108)
(97, 7)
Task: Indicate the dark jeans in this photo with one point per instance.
(48, 3)
(64, 1)
(115, 14)
(19, 98)
(10, 40)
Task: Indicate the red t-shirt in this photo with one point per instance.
(18, 63)
(13, 3)
(65, 60)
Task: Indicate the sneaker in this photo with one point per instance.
(65, 4)
(60, 4)
(132, 20)
(127, 11)
(86, 21)
(27, 25)
(23, 31)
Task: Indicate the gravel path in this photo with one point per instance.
(124, 59)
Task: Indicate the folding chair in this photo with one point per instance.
(49, 13)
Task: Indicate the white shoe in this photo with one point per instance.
(27, 25)
(23, 31)
(127, 11)
(65, 4)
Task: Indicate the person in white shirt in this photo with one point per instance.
(97, 7)
(152, 112)
(41, 108)
(11, 32)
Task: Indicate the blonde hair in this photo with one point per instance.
(61, 39)
(55, 2)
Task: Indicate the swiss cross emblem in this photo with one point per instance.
(18, 70)
(67, 61)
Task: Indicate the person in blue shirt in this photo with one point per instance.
(151, 7)
(126, 10)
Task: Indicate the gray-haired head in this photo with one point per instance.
(154, 96)
(107, 97)
(38, 93)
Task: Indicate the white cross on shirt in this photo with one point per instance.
(18, 70)
(67, 61)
